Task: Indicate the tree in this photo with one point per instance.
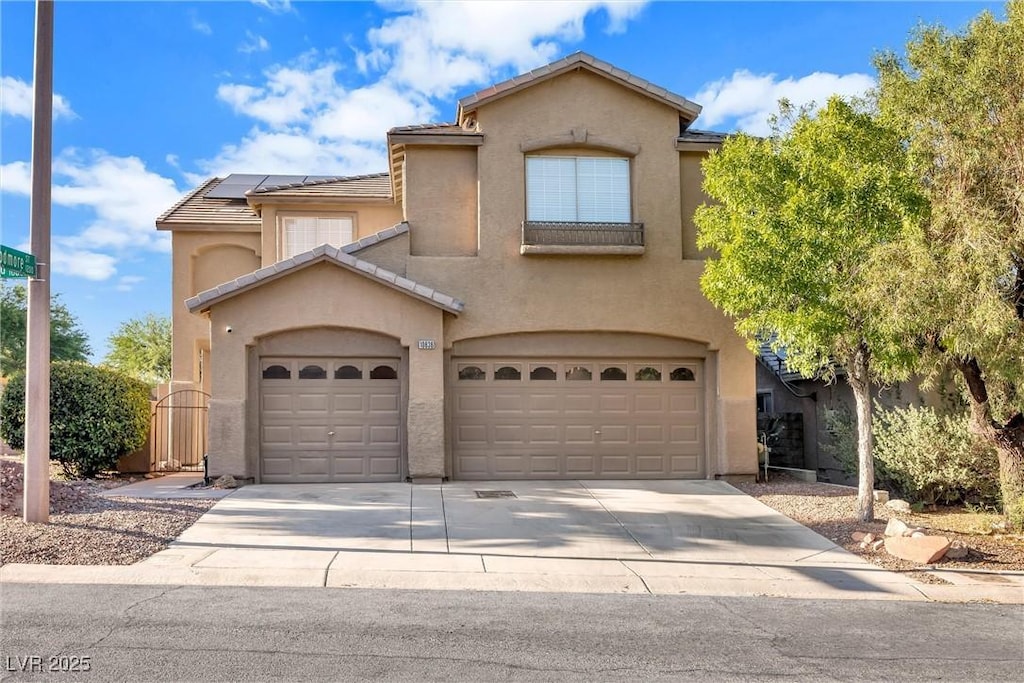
(796, 217)
(141, 347)
(67, 340)
(953, 288)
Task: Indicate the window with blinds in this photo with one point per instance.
(577, 189)
(302, 233)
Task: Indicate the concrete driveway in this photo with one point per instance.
(654, 536)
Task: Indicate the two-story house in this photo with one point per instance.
(516, 298)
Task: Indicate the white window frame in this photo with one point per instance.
(578, 189)
(284, 250)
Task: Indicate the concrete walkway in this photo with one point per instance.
(667, 537)
(173, 485)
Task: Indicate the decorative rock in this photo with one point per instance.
(858, 536)
(878, 545)
(957, 551)
(898, 505)
(881, 496)
(917, 534)
(922, 550)
(225, 482)
(895, 527)
(869, 539)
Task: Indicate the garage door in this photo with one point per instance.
(329, 420)
(570, 419)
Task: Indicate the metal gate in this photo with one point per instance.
(178, 431)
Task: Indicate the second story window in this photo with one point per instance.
(302, 233)
(577, 189)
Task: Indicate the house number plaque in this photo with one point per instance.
(426, 344)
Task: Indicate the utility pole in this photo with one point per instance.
(37, 379)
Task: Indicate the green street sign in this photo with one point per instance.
(14, 263)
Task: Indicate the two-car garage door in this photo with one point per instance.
(521, 418)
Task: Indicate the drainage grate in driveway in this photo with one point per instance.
(494, 494)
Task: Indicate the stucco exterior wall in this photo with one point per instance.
(441, 200)
(345, 296)
(201, 260)
(392, 254)
(368, 218)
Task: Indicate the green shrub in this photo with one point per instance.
(96, 416)
(932, 458)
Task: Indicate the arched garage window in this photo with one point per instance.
(543, 372)
(383, 372)
(348, 372)
(613, 373)
(507, 372)
(276, 372)
(312, 372)
(681, 375)
(472, 372)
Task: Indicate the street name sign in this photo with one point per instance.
(14, 263)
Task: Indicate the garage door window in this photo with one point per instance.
(312, 372)
(613, 373)
(507, 372)
(648, 373)
(682, 375)
(471, 372)
(543, 372)
(578, 373)
(383, 372)
(348, 372)
(277, 372)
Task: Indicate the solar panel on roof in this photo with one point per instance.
(235, 186)
(275, 180)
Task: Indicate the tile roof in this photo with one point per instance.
(689, 109)
(194, 209)
(373, 185)
(340, 257)
(377, 238)
(433, 129)
(693, 135)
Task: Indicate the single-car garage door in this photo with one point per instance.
(329, 420)
(516, 418)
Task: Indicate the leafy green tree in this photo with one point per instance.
(796, 217)
(141, 347)
(67, 340)
(953, 288)
(96, 416)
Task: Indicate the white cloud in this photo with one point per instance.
(126, 283)
(275, 6)
(200, 26)
(253, 43)
(123, 198)
(748, 99)
(16, 100)
(309, 119)
(440, 46)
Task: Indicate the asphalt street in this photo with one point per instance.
(168, 633)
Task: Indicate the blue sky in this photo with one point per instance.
(152, 98)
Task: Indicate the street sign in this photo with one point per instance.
(14, 263)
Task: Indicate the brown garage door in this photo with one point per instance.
(572, 419)
(329, 420)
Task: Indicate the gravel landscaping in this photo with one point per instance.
(86, 528)
(831, 511)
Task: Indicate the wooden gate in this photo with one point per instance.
(179, 431)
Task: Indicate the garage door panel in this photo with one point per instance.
(643, 420)
(329, 429)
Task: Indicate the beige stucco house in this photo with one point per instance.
(516, 298)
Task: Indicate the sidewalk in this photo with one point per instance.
(697, 538)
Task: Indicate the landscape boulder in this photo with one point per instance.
(225, 482)
(922, 550)
(896, 527)
(898, 505)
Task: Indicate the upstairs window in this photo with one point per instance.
(577, 190)
(301, 233)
